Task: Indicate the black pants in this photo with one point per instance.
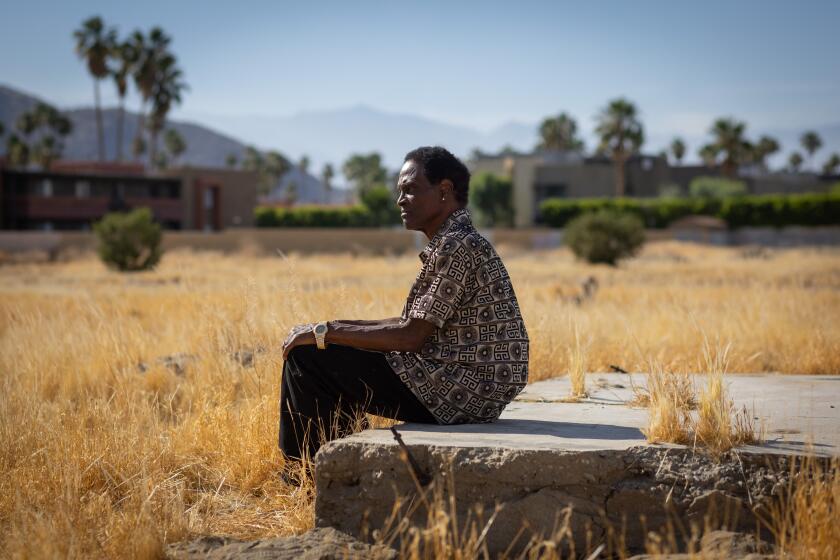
(324, 391)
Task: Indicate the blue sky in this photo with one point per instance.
(773, 64)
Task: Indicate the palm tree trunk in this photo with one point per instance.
(100, 137)
(120, 125)
(141, 123)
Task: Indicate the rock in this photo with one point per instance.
(177, 363)
(318, 544)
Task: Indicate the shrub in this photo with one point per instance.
(715, 187)
(129, 241)
(605, 236)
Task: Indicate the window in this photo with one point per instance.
(44, 187)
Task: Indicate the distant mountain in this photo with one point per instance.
(334, 135)
(205, 147)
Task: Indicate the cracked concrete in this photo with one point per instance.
(543, 456)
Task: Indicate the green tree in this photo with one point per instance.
(44, 129)
(621, 134)
(492, 195)
(559, 133)
(795, 161)
(95, 44)
(831, 164)
(678, 149)
(231, 160)
(17, 151)
(765, 147)
(175, 144)
(708, 153)
(811, 142)
(729, 142)
(125, 56)
(129, 241)
(365, 171)
(382, 205)
(303, 164)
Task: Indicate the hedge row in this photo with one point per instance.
(315, 216)
(759, 210)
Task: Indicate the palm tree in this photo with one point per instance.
(168, 88)
(766, 146)
(94, 44)
(621, 136)
(175, 144)
(730, 141)
(812, 142)
(17, 151)
(304, 164)
(150, 54)
(831, 164)
(708, 153)
(126, 56)
(678, 149)
(559, 133)
(327, 175)
(795, 161)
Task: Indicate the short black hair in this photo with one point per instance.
(439, 164)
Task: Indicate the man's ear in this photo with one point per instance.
(447, 189)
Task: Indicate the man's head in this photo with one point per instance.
(432, 184)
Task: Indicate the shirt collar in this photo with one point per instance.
(460, 217)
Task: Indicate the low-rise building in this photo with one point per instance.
(72, 195)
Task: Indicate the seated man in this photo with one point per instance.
(457, 354)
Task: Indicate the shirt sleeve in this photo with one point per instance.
(442, 292)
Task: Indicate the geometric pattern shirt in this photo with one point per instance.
(476, 361)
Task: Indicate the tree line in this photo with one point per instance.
(621, 135)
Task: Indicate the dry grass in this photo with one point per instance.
(102, 457)
(577, 365)
(805, 522)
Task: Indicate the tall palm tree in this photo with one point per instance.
(168, 88)
(831, 164)
(708, 153)
(812, 142)
(125, 55)
(327, 174)
(151, 52)
(621, 135)
(175, 144)
(765, 146)
(729, 141)
(678, 149)
(94, 44)
(559, 133)
(795, 161)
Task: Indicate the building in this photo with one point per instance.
(542, 175)
(72, 195)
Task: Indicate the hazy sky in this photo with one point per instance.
(774, 64)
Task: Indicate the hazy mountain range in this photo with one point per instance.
(331, 136)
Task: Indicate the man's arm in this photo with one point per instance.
(403, 335)
(400, 335)
(365, 322)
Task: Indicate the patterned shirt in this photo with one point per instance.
(477, 360)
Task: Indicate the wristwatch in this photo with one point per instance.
(320, 332)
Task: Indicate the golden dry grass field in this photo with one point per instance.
(108, 451)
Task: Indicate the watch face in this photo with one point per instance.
(321, 329)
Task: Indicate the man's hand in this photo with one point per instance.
(300, 335)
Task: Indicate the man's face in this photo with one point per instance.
(419, 201)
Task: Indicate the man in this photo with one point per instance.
(457, 354)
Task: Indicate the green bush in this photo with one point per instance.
(716, 187)
(777, 210)
(604, 236)
(129, 241)
(314, 216)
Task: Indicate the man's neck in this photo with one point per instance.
(433, 227)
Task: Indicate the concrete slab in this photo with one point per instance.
(797, 413)
(544, 456)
